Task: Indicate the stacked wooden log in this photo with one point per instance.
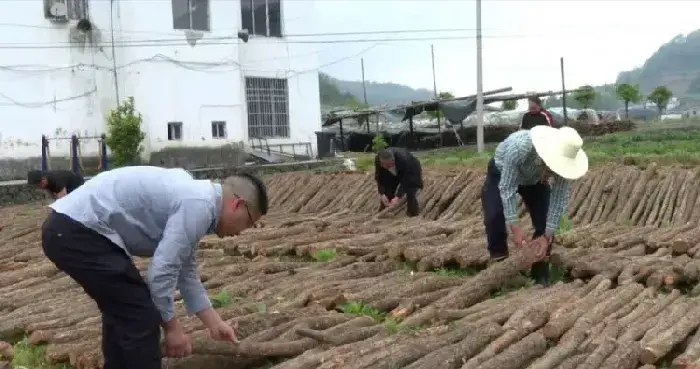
(653, 196)
(327, 283)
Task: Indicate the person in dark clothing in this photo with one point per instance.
(399, 175)
(58, 183)
(536, 115)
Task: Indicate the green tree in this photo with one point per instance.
(585, 95)
(509, 104)
(379, 143)
(660, 97)
(124, 135)
(628, 94)
(442, 96)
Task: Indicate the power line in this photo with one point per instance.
(315, 34)
(198, 66)
(230, 41)
(295, 74)
(34, 105)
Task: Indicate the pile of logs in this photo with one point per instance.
(329, 283)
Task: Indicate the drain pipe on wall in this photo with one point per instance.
(114, 52)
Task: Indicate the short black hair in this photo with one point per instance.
(536, 100)
(34, 177)
(385, 155)
(263, 202)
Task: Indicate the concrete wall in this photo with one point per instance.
(199, 157)
(59, 81)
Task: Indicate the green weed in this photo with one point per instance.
(32, 357)
(221, 299)
(565, 224)
(391, 323)
(324, 255)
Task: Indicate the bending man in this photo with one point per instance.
(524, 164)
(58, 183)
(147, 211)
(399, 175)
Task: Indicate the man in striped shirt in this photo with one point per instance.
(524, 164)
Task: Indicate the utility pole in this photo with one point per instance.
(115, 74)
(563, 91)
(437, 97)
(364, 89)
(479, 84)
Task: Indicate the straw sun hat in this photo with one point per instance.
(561, 150)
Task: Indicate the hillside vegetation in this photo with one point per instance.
(336, 92)
(675, 65)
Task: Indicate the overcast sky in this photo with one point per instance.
(522, 40)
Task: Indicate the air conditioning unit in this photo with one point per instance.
(58, 11)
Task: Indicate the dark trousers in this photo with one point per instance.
(412, 207)
(130, 320)
(536, 199)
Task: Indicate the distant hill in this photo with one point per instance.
(336, 92)
(676, 65)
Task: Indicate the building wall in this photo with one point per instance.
(56, 87)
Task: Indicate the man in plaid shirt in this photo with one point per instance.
(524, 163)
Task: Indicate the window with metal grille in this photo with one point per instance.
(174, 131)
(191, 14)
(75, 9)
(268, 107)
(262, 17)
(218, 129)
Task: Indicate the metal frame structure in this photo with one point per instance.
(75, 160)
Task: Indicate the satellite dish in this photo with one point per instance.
(59, 10)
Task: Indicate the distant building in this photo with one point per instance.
(195, 83)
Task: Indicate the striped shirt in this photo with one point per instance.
(520, 165)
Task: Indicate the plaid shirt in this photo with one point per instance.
(520, 165)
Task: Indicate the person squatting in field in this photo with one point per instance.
(524, 163)
(399, 175)
(92, 234)
(57, 183)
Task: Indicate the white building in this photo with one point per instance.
(195, 83)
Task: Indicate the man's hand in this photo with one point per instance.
(385, 200)
(394, 201)
(223, 332)
(218, 329)
(540, 246)
(518, 235)
(177, 344)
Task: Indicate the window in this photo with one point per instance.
(218, 129)
(268, 107)
(75, 9)
(174, 131)
(191, 14)
(262, 17)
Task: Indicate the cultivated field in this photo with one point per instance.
(328, 283)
